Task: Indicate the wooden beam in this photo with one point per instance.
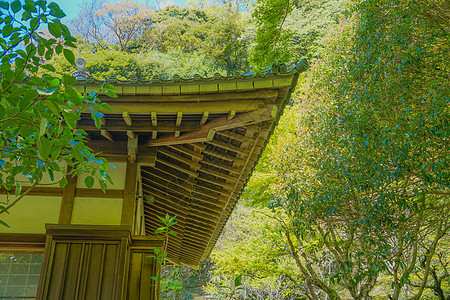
(98, 193)
(184, 107)
(265, 113)
(204, 118)
(127, 118)
(177, 167)
(68, 196)
(116, 151)
(146, 156)
(226, 157)
(177, 133)
(215, 182)
(79, 192)
(164, 184)
(132, 147)
(154, 134)
(107, 135)
(168, 176)
(129, 195)
(189, 137)
(221, 166)
(227, 146)
(231, 114)
(179, 118)
(154, 119)
(139, 126)
(179, 158)
(130, 134)
(233, 135)
(212, 188)
(187, 151)
(217, 174)
(178, 176)
(267, 94)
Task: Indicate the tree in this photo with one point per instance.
(90, 26)
(38, 115)
(126, 20)
(367, 172)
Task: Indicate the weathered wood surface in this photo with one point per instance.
(97, 262)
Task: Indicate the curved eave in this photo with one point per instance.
(199, 140)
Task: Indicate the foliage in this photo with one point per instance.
(251, 245)
(367, 174)
(126, 20)
(272, 41)
(358, 169)
(107, 63)
(180, 283)
(161, 253)
(38, 115)
(309, 23)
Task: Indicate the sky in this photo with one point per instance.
(72, 7)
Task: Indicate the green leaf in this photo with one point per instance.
(4, 223)
(48, 67)
(69, 56)
(105, 106)
(111, 94)
(69, 80)
(70, 119)
(54, 107)
(4, 5)
(26, 131)
(54, 29)
(160, 230)
(172, 233)
(41, 91)
(56, 11)
(18, 189)
(45, 147)
(238, 281)
(15, 6)
(43, 127)
(26, 16)
(97, 120)
(7, 30)
(76, 97)
(59, 48)
(63, 182)
(89, 182)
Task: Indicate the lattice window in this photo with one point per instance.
(19, 275)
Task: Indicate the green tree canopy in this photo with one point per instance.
(38, 114)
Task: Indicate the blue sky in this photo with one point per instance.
(72, 7)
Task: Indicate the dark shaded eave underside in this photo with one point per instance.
(164, 91)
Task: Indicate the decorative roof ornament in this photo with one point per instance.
(80, 73)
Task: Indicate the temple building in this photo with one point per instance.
(182, 147)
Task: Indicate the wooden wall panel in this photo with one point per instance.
(84, 262)
(142, 268)
(83, 271)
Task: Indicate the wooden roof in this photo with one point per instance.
(197, 141)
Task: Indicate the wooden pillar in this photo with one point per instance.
(129, 195)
